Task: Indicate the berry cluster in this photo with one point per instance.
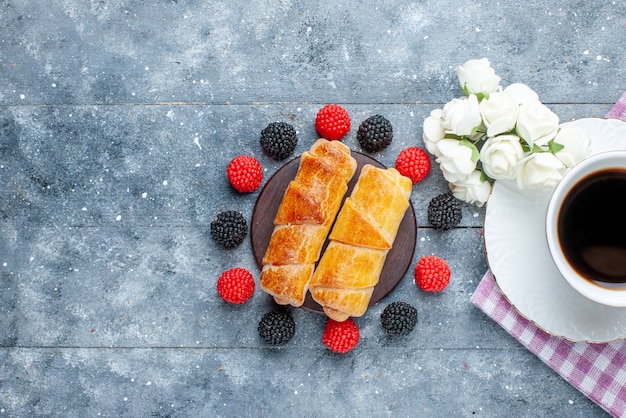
(332, 122)
(432, 274)
(229, 229)
(245, 173)
(375, 133)
(341, 337)
(399, 318)
(413, 163)
(278, 140)
(277, 327)
(235, 285)
(444, 211)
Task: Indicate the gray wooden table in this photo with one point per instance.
(117, 121)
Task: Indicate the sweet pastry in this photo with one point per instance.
(360, 240)
(304, 217)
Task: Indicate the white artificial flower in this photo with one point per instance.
(539, 170)
(477, 77)
(499, 113)
(473, 189)
(494, 133)
(433, 131)
(576, 146)
(461, 116)
(537, 124)
(522, 94)
(455, 160)
(499, 156)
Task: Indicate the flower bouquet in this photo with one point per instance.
(492, 133)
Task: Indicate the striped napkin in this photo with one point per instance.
(597, 370)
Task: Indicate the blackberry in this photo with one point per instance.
(277, 327)
(444, 211)
(375, 133)
(399, 318)
(279, 140)
(229, 229)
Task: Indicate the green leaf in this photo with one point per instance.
(478, 132)
(475, 153)
(555, 147)
(453, 136)
(537, 148)
(484, 177)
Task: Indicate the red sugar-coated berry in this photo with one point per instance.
(413, 163)
(245, 173)
(432, 274)
(332, 122)
(235, 285)
(340, 337)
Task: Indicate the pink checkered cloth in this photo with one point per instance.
(597, 370)
(619, 109)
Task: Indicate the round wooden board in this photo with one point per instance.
(398, 259)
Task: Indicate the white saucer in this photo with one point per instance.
(519, 258)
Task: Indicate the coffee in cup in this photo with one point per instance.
(586, 227)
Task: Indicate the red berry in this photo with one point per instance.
(340, 337)
(413, 163)
(235, 285)
(432, 274)
(245, 173)
(332, 122)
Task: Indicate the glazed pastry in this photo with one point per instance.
(308, 209)
(363, 234)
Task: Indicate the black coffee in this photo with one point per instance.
(592, 226)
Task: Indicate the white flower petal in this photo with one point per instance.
(521, 94)
(500, 155)
(433, 132)
(537, 124)
(539, 170)
(477, 77)
(472, 189)
(576, 146)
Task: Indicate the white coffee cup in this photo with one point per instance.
(584, 228)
